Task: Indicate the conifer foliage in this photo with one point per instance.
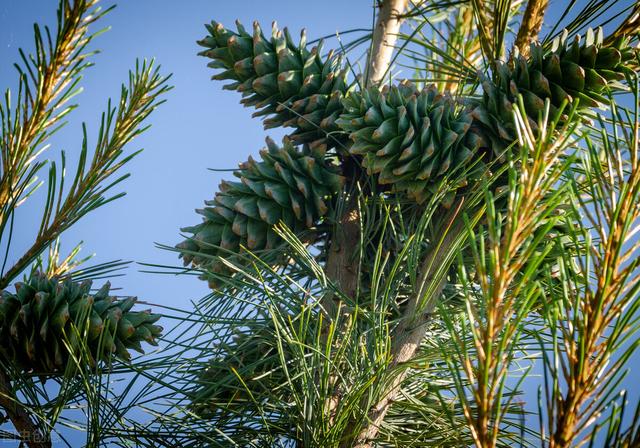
(387, 275)
(54, 326)
(468, 209)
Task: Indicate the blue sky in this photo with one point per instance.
(201, 126)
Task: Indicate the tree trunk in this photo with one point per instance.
(343, 261)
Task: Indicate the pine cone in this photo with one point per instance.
(410, 138)
(292, 85)
(45, 316)
(579, 69)
(288, 185)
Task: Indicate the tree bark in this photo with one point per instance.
(384, 39)
(27, 429)
(342, 261)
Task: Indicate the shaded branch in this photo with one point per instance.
(343, 259)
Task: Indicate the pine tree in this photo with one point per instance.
(444, 247)
(387, 275)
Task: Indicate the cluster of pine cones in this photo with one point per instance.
(408, 139)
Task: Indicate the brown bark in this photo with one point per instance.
(342, 260)
(29, 432)
(531, 25)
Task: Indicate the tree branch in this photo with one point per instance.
(530, 25)
(342, 262)
(42, 102)
(91, 183)
(415, 321)
(28, 430)
(384, 39)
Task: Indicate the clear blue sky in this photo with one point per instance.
(201, 126)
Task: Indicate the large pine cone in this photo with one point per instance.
(46, 318)
(286, 81)
(290, 185)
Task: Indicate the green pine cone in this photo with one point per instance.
(292, 85)
(289, 185)
(581, 69)
(41, 321)
(409, 138)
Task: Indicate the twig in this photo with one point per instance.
(484, 27)
(530, 25)
(42, 103)
(499, 260)
(588, 364)
(629, 27)
(88, 190)
(415, 321)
